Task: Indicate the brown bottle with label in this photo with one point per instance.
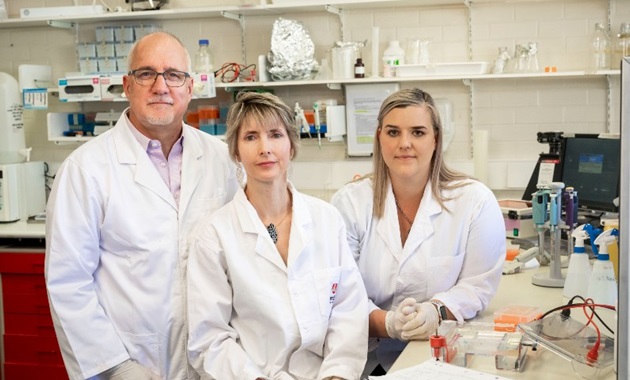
(359, 69)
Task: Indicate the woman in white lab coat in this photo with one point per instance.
(429, 241)
(274, 291)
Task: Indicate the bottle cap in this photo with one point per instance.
(204, 42)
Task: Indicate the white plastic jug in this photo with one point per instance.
(12, 140)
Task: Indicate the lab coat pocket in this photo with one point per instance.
(143, 348)
(326, 284)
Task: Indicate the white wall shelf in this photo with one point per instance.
(217, 11)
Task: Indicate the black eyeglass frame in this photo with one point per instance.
(163, 74)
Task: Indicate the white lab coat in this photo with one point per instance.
(117, 250)
(454, 256)
(254, 316)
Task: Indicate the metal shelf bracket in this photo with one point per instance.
(61, 24)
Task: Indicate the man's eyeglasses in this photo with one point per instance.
(146, 77)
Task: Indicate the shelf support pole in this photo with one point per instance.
(241, 20)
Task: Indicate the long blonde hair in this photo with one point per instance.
(441, 177)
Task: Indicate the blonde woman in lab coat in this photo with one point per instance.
(429, 242)
(274, 290)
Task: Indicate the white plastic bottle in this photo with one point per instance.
(600, 48)
(602, 286)
(579, 271)
(203, 58)
(393, 56)
(12, 139)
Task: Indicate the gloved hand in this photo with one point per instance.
(424, 322)
(394, 320)
(130, 370)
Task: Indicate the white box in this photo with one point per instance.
(88, 65)
(106, 65)
(112, 88)
(105, 49)
(518, 218)
(104, 34)
(81, 88)
(203, 86)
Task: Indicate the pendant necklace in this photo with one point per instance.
(403, 214)
(271, 228)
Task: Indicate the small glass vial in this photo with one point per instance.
(359, 69)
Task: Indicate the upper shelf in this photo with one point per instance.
(338, 82)
(286, 6)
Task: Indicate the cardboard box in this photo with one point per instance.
(518, 218)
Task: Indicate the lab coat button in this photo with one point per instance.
(163, 164)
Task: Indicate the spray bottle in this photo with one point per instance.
(602, 286)
(579, 271)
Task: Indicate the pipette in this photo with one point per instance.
(553, 193)
(317, 125)
(300, 120)
(540, 200)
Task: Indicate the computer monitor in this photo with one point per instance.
(591, 165)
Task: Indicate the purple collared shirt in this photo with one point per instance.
(170, 168)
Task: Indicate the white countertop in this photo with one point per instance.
(21, 229)
(515, 289)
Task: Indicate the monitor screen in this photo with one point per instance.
(591, 166)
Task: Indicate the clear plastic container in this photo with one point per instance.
(393, 56)
(623, 43)
(203, 58)
(600, 48)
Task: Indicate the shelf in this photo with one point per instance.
(334, 82)
(217, 11)
(337, 83)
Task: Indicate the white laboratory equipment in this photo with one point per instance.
(12, 141)
(579, 272)
(602, 285)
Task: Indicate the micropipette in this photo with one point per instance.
(317, 124)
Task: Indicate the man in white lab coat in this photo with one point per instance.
(119, 219)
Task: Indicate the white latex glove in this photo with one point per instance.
(424, 323)
(130, 370)
(394, 320)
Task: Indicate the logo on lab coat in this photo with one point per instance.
(333, 293)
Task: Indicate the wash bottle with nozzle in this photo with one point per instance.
(579, 271)
(602, 286)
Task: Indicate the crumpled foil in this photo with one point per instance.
(292, 51)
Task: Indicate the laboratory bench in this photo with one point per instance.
(29, 345)
(542, 364)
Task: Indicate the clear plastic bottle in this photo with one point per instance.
(622, 48)
(600, 48)
(500, 63)
(203, 58)
(602, 286)
(579, 272)
(393, 56)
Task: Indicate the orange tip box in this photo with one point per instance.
(507, 318)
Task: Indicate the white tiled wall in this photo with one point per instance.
(512, 110)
